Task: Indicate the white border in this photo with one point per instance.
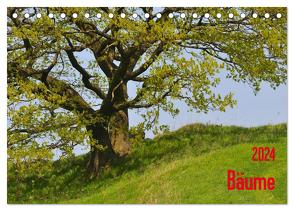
(135, 3)
(154, 3)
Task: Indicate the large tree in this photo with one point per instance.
(72, 80)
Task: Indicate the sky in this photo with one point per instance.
(268, 106)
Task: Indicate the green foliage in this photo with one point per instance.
(136, 134)
(38, 127)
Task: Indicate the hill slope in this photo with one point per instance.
(185, 166)
(192, 179)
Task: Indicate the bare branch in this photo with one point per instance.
(85, 75)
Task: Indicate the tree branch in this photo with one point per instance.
(85, 75)
(76, 102)
(148, 63)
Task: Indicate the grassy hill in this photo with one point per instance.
(184, 166)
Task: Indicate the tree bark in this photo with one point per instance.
(113, 138)
(118, 132)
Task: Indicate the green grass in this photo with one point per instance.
(185, 166)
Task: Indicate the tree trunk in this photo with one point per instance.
(118, 130)
(101, 151)
(113, 137)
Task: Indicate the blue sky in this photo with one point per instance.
(267, 107)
